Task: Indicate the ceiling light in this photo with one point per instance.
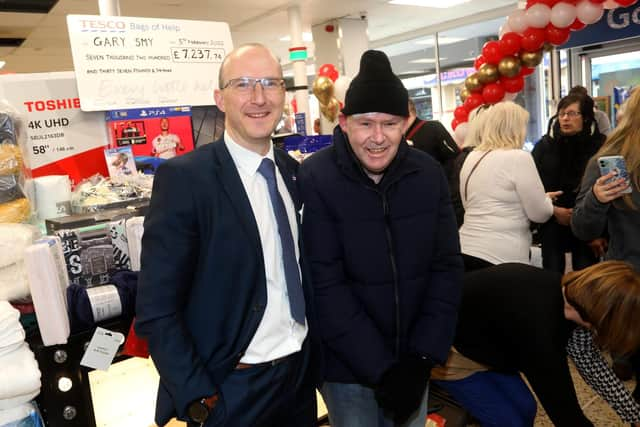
(306, 37)
(426, 61)
(442, 40)
(439, 4)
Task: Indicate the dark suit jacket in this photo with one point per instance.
(202, 287)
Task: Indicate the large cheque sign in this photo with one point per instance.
(123, 63)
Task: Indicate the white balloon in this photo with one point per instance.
(563, 14)
(518, 21)
(610, 4)
(538, 15)
(340, 87)
(461, 133)
(589, 12)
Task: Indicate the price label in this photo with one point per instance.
(194, 54)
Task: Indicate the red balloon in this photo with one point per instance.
(577, 25)
(598, 1)
(533, 39)
(454, 123)
(328, 70)
(294, 105)
(625, 3)
(549, 3)
(492, 93)
(473, 101)
(525, 71)
(510, 43)
(557, 36)
(513, 84)
(461, 114)
(491, 52)
(478, 62)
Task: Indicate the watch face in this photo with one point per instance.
(198, 412)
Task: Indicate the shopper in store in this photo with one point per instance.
(601, 117)
(501, 192)
(513, 319)
(561, 157)
(220, 296)
(431, 137)
(382, 242)
(605, 203)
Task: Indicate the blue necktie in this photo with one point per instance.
(294, 287)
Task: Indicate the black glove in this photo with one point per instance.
(402, 386)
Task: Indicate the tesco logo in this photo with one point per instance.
(91, 24)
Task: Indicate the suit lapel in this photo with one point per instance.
(232, 184)
(289, 176)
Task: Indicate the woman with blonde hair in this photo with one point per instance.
(515, 318)
(500, 190)
(604, 203)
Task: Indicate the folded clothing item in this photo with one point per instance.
(11, 332)
(14, 239)
(14, 284)
(14, 401)
(19, 373)
(24, 415)
(87, 306)
(10, 159)
(48, 282)
(18, 210)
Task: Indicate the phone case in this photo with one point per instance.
(614, 163)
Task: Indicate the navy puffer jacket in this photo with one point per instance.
(385, 260)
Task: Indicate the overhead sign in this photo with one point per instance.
(60, 138)
(123, 63)
(616, 24)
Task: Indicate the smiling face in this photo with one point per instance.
(251, 116)
(374, 138)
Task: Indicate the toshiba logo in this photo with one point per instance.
(105, 25)
(53, 104)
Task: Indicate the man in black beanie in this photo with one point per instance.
(382, 244)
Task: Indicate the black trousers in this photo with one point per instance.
(557, 239)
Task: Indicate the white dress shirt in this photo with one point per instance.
(504, 193)
(278, 335)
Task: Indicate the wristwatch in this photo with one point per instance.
(198, 410)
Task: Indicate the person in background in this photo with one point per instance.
(382, 245)
(601, 117)
(221, 298)
(166, 144)
(431, 137)
(501, 191)
(561, 157)
(604, 203)
(515, 318)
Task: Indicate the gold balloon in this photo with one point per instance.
(472, 83)
(531, 59)
(509, 66)
(464, 94)
(323, 89)
(547, 47)
(330, 110)
(488, 73)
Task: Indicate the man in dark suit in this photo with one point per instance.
(220, 298)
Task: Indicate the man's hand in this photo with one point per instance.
(402, 386)
(563, 215)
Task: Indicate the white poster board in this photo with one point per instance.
(57, 129)
(123, 62)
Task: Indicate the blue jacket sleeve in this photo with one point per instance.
(344, 325)
(169, 254)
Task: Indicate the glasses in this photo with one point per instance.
(570, 114)
(248, 84)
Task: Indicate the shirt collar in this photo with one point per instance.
(246, 160)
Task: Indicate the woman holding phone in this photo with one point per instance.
(605, 203)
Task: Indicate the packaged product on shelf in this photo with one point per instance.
(98, 193)
(48, 282)
(14, 205)
(134, 230)
(52, 195)
(14, 239)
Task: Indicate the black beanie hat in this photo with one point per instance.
(376, 89)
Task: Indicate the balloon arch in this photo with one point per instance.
(503, 64)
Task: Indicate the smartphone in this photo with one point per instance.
(617, 164)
